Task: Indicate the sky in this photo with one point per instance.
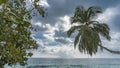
(51, 30)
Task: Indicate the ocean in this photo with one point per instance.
(71, 63)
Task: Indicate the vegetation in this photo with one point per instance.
(15, 24)
(89, 30)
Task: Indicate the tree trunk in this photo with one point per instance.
(112, 51)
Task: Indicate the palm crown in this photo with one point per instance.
(89, 30)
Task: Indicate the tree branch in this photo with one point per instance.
(112, 51)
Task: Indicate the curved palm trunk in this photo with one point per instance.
(112, 51)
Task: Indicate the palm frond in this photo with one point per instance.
(88, 37)
(72, 29)
(75, 20)
(89, 41)
(93, 11)
(76, 41)
(79, 15)
(103, 29)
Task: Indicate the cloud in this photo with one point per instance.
(65, 22)
(51, 31)
(68, 51)
(54, 49)
(43, 3)
(55, 32)
(63, 51)
(108, 17)
(109, 14)
(59, 8)
(114, 43)
(53, 41)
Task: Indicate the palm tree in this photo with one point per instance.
(89, 30)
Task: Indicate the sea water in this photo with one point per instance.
(70, 63)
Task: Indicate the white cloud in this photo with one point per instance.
(49, 36)
(44, 32)
(63, 51)
(115, 35)
(108, 17)
(50, 48)
(44, 3)
(68, 51)
(63, 23)
(114, 43)
(109, 14)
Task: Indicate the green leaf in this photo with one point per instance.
(3, 1)
(30, 54)
(15, 32)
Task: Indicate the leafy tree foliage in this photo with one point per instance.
(89, 30)
(15, 24)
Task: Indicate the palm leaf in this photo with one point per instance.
(72, 29)
(93, 11)
(76, 41)
(103, 29)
